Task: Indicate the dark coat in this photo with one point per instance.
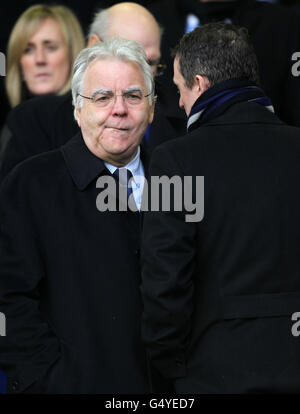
(45, 123)
(219, 294)
(69, 280)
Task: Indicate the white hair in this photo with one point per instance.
(114, 48)
(100, 24)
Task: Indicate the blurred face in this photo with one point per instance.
(45, 61)
(188, 96)
(114, 132)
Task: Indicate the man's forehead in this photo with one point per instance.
(176, 69)
(103, 62)
(107, 72)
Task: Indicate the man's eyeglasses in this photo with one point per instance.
(105, 99)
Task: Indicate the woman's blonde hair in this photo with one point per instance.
(23, 30)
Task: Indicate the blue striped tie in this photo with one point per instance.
(123, 176)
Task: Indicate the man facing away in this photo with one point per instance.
(273, 29)
(219, 292)
(69, 268)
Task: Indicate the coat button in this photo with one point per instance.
(15, 386)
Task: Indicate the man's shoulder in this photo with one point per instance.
(42, 106)
(42, 124)
(242, 121)
(42, 171)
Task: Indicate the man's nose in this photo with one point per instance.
(119, 105)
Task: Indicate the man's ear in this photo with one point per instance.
(93, 39)
(151, 113)
(78, 116)
(202, 83)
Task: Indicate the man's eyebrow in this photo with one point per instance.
(133, 89)
(103, 91)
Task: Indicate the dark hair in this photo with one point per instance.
(218, 51)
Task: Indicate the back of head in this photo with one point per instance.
(25, 27)
(112, 49)
(130, 21)
(217, 51)
(117, 18)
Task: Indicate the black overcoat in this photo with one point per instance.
(69, 280)
(219, 294)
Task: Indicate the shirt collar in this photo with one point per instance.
(85, 167)
(132, 166)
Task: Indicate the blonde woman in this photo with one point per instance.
(41, 50)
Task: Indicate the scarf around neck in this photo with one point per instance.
(215, 100)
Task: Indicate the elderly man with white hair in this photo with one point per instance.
(45, 123)
(69, 272)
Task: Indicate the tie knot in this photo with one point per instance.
(123, 176)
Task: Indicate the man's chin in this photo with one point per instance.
(123, 154)
(118, 143)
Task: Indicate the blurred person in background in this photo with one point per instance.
(41, 51)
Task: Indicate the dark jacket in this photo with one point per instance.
(45, 123)
(69, 280)
(219, 294)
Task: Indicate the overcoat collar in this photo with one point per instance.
(84, 166)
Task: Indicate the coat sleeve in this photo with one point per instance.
(168, 263)
(29, 347)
